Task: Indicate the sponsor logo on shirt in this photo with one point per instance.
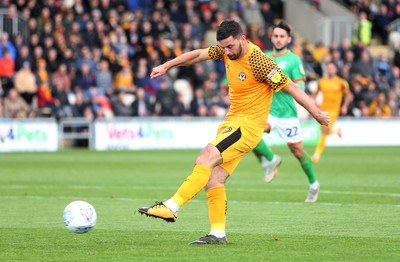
(275, 76)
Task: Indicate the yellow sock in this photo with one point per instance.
(321, 145)
(192, 185)
(217, 206)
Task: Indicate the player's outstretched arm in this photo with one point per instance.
(302, 98)
(188, 58)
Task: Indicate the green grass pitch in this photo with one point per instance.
(357, 217)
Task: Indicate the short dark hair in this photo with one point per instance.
(229, 28)
(283, 25)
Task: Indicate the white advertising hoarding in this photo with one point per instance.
(366, 132)
(154, 134)
(178, 133)
(28, 136)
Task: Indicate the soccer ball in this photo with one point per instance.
(79, 217)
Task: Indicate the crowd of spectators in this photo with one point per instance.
(93, 58)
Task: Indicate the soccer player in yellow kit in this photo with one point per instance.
(335, 100)
(252, 78)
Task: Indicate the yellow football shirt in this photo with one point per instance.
(251, 81)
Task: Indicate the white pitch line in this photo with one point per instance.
(79, 187)
(70, 198)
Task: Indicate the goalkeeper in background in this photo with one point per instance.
(283, 114)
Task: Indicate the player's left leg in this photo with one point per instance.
(217, 207)
(232, 152)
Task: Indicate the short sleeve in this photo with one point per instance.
(267, 71)
(215, 52)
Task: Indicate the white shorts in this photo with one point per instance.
(288, 128)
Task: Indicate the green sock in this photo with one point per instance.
(263, 150)
(308, 167)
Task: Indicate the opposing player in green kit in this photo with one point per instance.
(283, 114)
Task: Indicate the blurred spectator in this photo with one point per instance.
(364, 66)
(267, 13)
(251, 12)
(381, 22)
(104, 78)
(80, 104)
(22, 57)
(142, 106)
(47, 103)
(6, 44)
(86, 80)
(362, 30)
(319, 51)
(86, 58)
(379, 106)
(68, 59)
(370, 93)
(357, 106)
(394, 76)
(209, 35)
(25, 82)
(62, 94)
(176, 13)
(62, 76)
(199, 104)
(15, 106)
(166, 99)
(142, 79)
(396, 57)
(179, 109)
(308, 61)
(394, 103)
(52, 60)
(348, 59)
(7, 69)
(43, 20)
(91, 37)
(124, 79)
(122, 106)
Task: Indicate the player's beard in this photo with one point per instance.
(237, 55)
(280, 49)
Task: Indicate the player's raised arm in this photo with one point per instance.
(302, 98)
(186, 59)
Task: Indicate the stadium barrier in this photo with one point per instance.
(44, 134)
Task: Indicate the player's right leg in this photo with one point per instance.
(194, 183)
(228, 136)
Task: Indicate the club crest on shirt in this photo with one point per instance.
(275, 76)
(302, 69)
(242, 76)
(227, 130)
